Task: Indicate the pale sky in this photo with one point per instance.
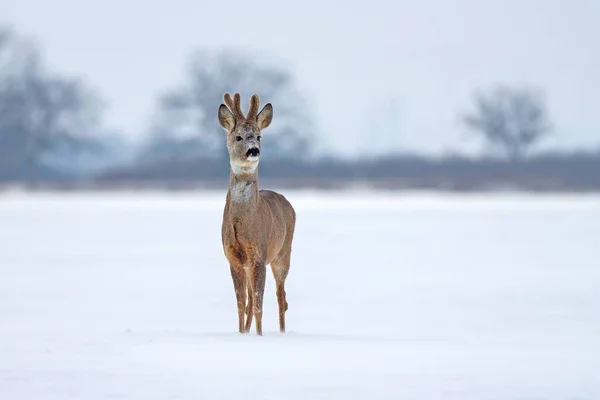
(349, 59)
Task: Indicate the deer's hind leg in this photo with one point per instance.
(249, 306)
(280, 267)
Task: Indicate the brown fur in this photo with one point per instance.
(258, 225)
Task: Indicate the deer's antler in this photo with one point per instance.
(253, 107)
(234, 105)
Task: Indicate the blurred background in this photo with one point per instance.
(462, 95)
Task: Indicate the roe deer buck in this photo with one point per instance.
(258, 225)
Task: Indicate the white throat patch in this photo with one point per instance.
(240, 168)
(241, 192)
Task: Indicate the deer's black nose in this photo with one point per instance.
(253, 152)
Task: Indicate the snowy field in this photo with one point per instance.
(414, 296)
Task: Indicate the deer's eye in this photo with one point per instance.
(238, 138)
(258, 138)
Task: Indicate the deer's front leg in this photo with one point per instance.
(239, 283)
(258, 276)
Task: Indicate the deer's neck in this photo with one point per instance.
(243, 193)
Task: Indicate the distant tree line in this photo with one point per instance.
(48, 120)
(511, 120)
(40, 112)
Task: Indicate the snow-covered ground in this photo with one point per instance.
(406, 296)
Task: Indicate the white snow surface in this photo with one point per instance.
(391, 296)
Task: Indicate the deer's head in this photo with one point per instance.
(244, 132)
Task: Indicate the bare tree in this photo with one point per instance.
(185, 124)
(39, 112)
(511, 120)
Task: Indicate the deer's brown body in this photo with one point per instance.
(258, 225)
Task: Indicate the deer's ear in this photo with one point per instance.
(226, 117)
(265, 116)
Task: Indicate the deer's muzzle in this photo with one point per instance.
(253, 152)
